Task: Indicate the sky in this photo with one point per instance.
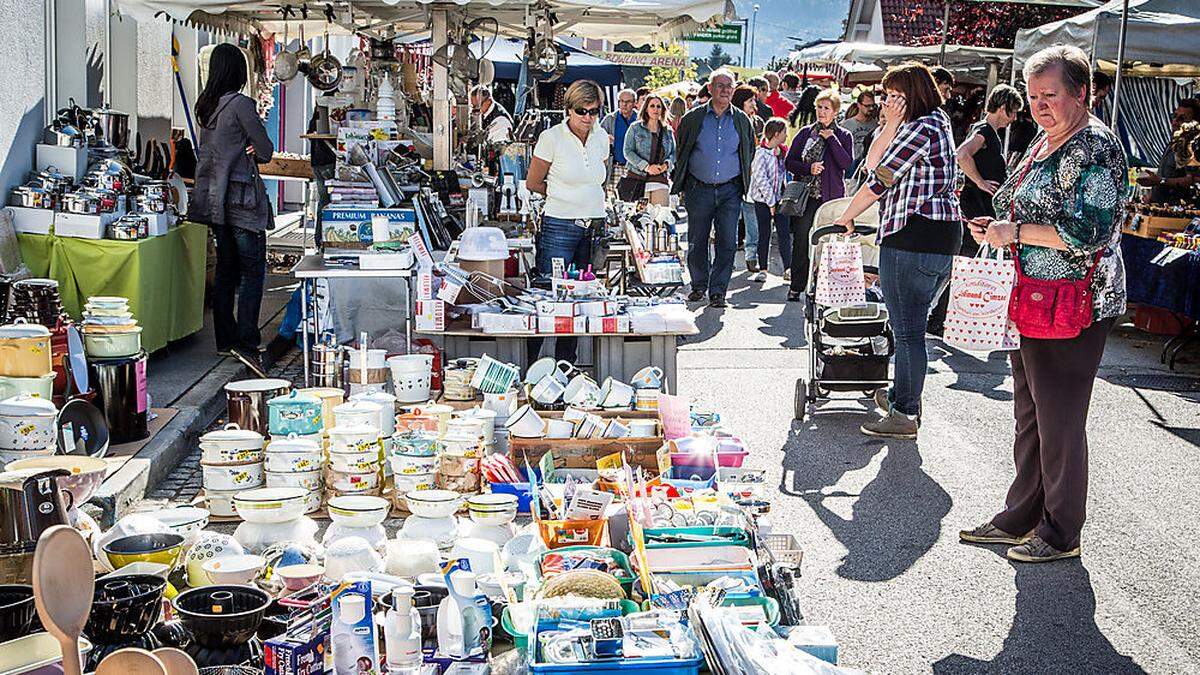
(779, 19)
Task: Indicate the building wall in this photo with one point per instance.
(22, 84)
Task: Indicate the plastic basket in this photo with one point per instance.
(626, 580)
(562, 533)
(784, 547)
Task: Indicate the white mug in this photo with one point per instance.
(574, 415)
(494, 376)
(592, 426)
(559, 428)
(503, 404)
(649, 377)
(548, 390)
(647, 399)
(582, 391)
(561, 370)
(643, 428)
(615, 394)
(526, 423)
(616, 429)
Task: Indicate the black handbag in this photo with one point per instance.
(632, 186)
(795, 198)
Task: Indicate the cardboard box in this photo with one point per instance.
(562, 324)
(354, 229)
(424, 285)
(158, 224)
(608, 324)
(818, 641)
(553, 308)
(83, 225)
(71, 162)
(430, 315)
(591, 288)
(296, 653)
(32, 221)
(493, 323)
(596, 308)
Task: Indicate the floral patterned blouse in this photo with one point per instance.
(1080, 189)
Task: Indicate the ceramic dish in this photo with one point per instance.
(220, 502)
(353, 481)
(162, 548)
(406, 464)
(357, 413)
(270, 505)
(232, 476)
(358, 511)
(237, 569)
(406, 483)
(286, 461)
(299, 577)
(305, 480)
(352, 437)
(351, 554)
(312, 500)
(433, 503)
(107, 301)
(492, 509)
(209, 546)
(354, 462)
(86, 473)
(183, 520)
(217, 455)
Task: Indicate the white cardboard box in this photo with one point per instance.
(71, 162)
(594, 308)
(424, 283)
(32, 221)
(157, 224)
(492, 323)
(562, 324)
(83, 225)
(430, 315)
(608, 324)
(551, 308)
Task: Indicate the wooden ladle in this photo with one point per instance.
(63, 583)
(131, 661)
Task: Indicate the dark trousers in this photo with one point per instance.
(1052, 387)
(241, 271)
(801, 228)
(560, 238)
(783, 230)
(712, 212)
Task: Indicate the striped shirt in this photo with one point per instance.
(917, 174)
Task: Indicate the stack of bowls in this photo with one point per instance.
(378, 375)
(462, 447)
(413, 459)
(295, 462)
(28, 426)
(36, 301)
(109, 329)
(231, 461)
(355, 460)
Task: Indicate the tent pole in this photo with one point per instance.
(1116, 114)
(945, 32)
(439, 36)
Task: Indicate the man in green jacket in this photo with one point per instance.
(715, 146)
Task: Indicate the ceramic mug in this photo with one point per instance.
(649, 377)
(526, 423)
(646, 399)
(615, 394)
(582, 391)
(548, 390)
(574, 415)
(560, 370)
(504, 404)
(643, 428)
(494, 376)
(592, 426)
(616, 429)
(559, 428)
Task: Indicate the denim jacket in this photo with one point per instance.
(639, 146)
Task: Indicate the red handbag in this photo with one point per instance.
(1049, 309)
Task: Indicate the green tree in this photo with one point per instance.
(661, 77)
(718, 57)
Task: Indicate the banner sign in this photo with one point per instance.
(730, 34)
(645, 60)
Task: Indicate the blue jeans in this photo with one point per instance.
(750, 222)
(241, 272)
(562, 238)
(910, 283)
(783, 230)
(712, 210)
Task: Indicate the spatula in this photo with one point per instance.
(63, 583)
(176, 661)
(131, 661)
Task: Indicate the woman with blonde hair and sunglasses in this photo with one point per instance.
(569, 167)
(649, 154)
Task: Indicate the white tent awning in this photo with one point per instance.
(957, 56)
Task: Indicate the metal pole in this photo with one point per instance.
(1116, 114)
(753, 35)
(745, 39)
(439, 36)
(945, 32)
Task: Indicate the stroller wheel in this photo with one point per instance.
(801, 404)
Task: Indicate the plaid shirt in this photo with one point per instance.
(917, 174)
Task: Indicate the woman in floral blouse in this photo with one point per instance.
(1061, 208)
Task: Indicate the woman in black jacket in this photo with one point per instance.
(230, 197)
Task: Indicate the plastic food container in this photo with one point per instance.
(482, 243)
(232, 476)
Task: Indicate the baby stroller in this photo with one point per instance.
(849, 347)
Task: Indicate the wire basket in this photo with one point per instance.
(784, 548)
(230, 670)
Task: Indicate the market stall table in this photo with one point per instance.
(163, 277)
(1174, 287)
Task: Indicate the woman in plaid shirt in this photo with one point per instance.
(911, 167)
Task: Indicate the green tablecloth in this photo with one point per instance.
(163, 277)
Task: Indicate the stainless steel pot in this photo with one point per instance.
(29, 505)
(149, 205)
(81, 202)
(32, 197)
(128, 228)
(114, 126)
(247, 404)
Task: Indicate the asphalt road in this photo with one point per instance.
(879, 520)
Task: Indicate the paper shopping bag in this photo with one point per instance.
(977, 316)
(840, 281)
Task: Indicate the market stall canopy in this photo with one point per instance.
(957, 56)
(1163, 37)
(506, 55)
(635, 21)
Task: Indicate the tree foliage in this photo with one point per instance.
(661, 77)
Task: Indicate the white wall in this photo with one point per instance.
(22, 87)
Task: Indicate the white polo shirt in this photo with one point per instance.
(575, 181)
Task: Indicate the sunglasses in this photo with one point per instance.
(587, 112)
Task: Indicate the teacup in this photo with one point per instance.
(561, 370)
(548, 390)
(526, 423)
(582, 391)
(574, 415)
(559, 428)
(646, 399)
(592, 426)
(616, 429)
(643, 428)
(504, 404)
(615, 394)
(649, 377)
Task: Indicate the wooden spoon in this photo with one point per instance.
(131, 661)
(176, 661)
(63, 584)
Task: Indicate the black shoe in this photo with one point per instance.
(793, 296)
(938, 329)
(717, 301)
(695, 296)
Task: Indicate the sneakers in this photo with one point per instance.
(759, 276)
(751, 266)
(892, 425)
(695, 296)
(882, 399)
(787, 275)
(1036, 550)
(717, 301)
(988, 533)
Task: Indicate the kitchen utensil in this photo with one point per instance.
(112, 344)
(412, 376)
(30, 506)
(88, 431)
(187, 521)
(287, 64)
(238, 569)
(232, 476)
(222, 616)
(160, 547)
(358, 511)
(16, 611)
(433, 503)
(27, 423)
(114, 126)
(351, 554)
(294, 413)
(209, 546)
(300, 576)
(305, 480)
(176, 661)
(124, 607)
(63, 608)
(247, 405)
(270, 505)
(77, 359)
(131, 661)
(25, 350)
(83, 474)
(122, 394)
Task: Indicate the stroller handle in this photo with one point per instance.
(826, 230)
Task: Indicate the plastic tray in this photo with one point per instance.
(521, 640)
(620, 558)
(739, 536)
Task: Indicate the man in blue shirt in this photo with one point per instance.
(616, 123)
(715, 145)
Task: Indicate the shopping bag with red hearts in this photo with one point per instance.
(977, 316)
(840, 281)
